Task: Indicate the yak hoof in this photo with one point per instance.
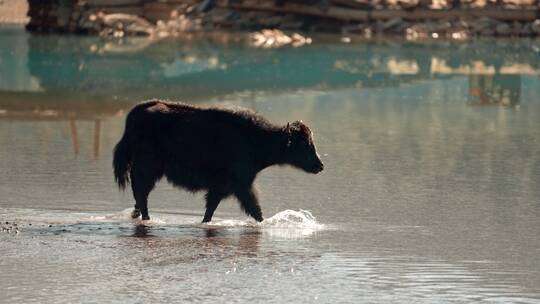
(135, 213)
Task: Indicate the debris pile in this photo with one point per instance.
(276, 38)
(414, 19)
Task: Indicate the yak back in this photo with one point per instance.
(200, 138)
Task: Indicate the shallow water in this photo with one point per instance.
(430, 192)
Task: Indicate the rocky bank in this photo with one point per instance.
(414, 19)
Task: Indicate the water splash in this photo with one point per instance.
(284, 224)
(283, 219)
(291, 224)
(293, 219)
(118, 216)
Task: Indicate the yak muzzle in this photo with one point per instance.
(317, 168)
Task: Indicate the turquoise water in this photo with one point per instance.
(430, 192)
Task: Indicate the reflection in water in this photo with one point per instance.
(94, 80)
(141, 231)
(427, 197)
(74, 137)
(96, 138)
(173, 246)
(495, 90)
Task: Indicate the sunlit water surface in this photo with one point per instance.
(430, 192)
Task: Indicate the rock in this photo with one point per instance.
(88, 23)
(394, 22)
(417, 31)
(406, 4)
(518, 4)
(276, 38)
(535, 26)
(378, 26)
(211, 15)
(443, 26)
(271, 22)
(353, 29)
(459, 35)
(118, 25)
(291, 25)
(487, 32)
(484, 24)
(517, 28)
(204, 6)
(526, 30)
(462, 24)
(503, 29)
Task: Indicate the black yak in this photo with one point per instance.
(212, 149)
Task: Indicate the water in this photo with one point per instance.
(430, 192)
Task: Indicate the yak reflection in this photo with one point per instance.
(141, 231)
(192, 244)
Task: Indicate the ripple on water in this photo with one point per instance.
(186, 258)
(421, 280)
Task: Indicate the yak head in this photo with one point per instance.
(301, 149)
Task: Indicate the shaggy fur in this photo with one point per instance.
(220, 151)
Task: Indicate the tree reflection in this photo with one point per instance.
(90, 70)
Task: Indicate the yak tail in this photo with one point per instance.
(122, 162)
(123, 152)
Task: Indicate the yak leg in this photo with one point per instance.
(141, 184)
(249, 202)
(212, 201)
